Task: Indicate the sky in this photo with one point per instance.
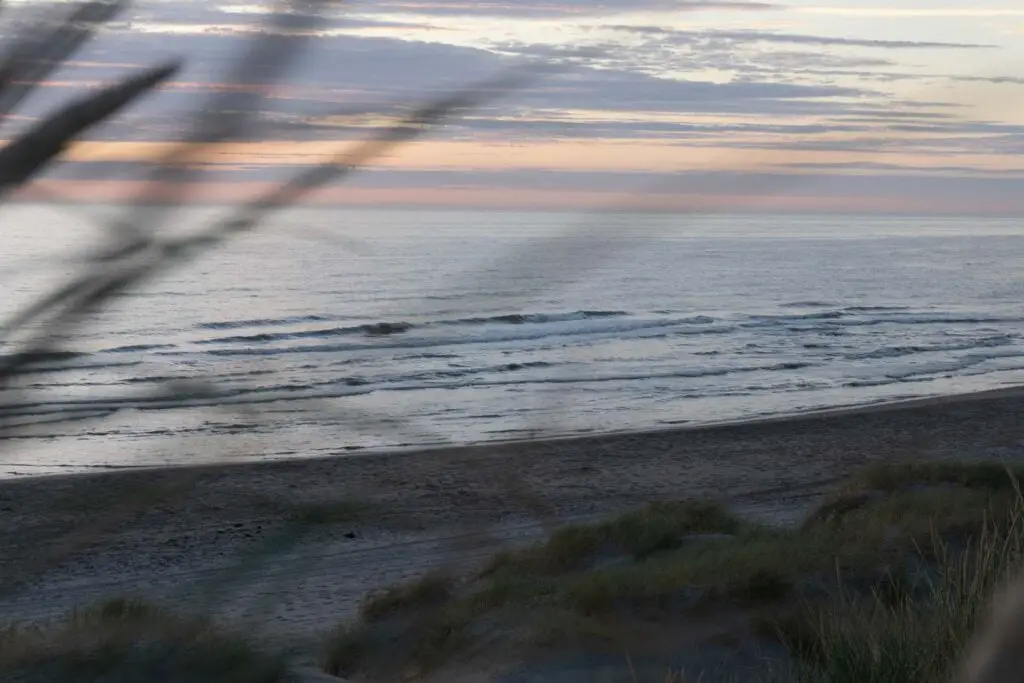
(865, 106)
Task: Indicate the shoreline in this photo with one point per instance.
(413, 450)
(365, 520)
(881, 405)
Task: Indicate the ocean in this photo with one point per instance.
(333, 332)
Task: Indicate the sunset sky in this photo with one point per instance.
(808, 105)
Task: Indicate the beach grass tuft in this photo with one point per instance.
(654, 528)
(127, 639)
(907, 637)
(431, 590)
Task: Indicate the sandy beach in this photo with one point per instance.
(290, 548)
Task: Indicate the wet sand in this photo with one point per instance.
(290, 547)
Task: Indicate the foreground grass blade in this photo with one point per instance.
(93, 291)
(346, 163)
(24, 157)
(227, 115)
(33, 59)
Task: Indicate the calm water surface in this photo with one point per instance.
(336, 331)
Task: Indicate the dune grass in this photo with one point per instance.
(883, 582)
(656, 527)
(430, 590)
(907, 638)
(131, 640)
